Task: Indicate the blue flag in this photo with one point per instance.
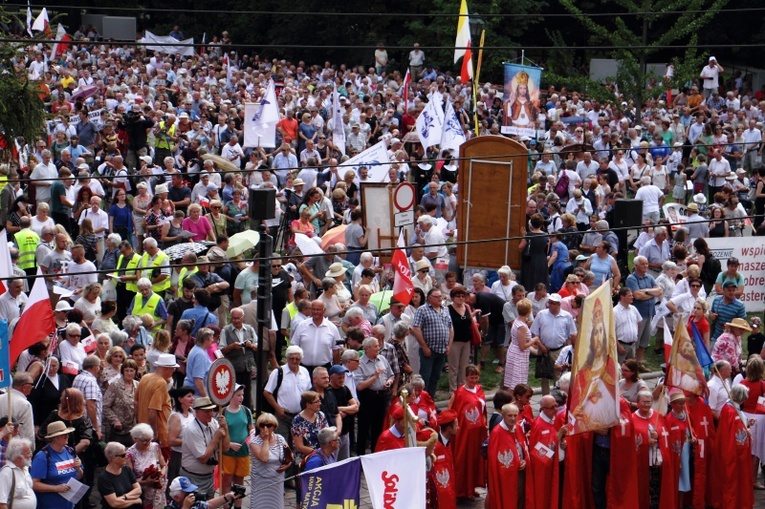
(701, 348)
(5, 353)
(333, 486)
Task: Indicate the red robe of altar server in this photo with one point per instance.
(506, 458)
(702, 421)
(732, 481)
(642, 443)
(622, 487)
(542, 468)
(469, 465)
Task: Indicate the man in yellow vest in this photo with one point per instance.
(155, 266)
(148, 302)
(26, 241)
(189, 261)
(126, 271)
(165, 140)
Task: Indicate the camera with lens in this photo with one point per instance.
(200, 496)
(238, 490)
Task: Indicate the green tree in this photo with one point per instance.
(642, 33)
(22, 111)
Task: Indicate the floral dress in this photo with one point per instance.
(308, 430)
(151, 496)
(727, 347)
(154, 219)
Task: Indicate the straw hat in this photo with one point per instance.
(335, 270)
(58, 428)
(676, 395)
(739, 323)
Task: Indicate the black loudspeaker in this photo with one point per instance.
(628, 213)
(262, 204)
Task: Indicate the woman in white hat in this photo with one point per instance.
(49, 480)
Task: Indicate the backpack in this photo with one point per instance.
(266, 407)
(561, 187)
(710, 270)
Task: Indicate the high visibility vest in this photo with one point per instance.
(131, 286)
(27, 241)
(185, 272)
(161, 257)
(165, 140)
(150, 307)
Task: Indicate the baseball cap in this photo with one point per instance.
(554, 297)
(183, 484)
(337, 369)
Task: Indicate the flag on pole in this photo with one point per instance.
(463, 43)
(338, 127)
(41, 22)
(452, 135)
(701, 348)
(227, 61)
(29, 19)
(402, 282)
(683, 369)
(407, 81)
(6, 266)
(430, 123)
(62, 42)
(397, 475)
(667, 342)
(594, 399)
(36, 321)
(5, 367)
(334, 486)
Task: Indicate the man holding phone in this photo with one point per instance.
(239, 343)
(22, 408)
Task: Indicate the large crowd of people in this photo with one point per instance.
(128, 215)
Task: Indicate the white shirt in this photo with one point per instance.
(292, 388)
(710, 74)
(752, 137)
(43, 171)
(651, 196)
(79, 281)
(232, 153)
(717, 393)
(22, 412)
(317, 342)
(99, 219)
(718, 170)
(24, 496)
(9, 306)
(626, 320)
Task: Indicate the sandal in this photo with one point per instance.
(498, 369)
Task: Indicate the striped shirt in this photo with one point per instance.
(726, 313)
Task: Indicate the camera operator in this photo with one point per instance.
(182, 496)
(199, 452)
(136, 124)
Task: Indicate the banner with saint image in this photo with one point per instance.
(595, 371)
(521, 105)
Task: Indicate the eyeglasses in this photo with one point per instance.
(437, 296)
(459, 296)
(120, 455)
(74, 335)
(215, 208)
(266, 425)
(695, 286)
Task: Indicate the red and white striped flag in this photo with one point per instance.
(407, 81)
(402, 282)
(62, 42)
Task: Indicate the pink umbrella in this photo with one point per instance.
(84, 92)
(333, 236)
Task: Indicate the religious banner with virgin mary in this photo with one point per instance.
(521, 106)
(594, 374)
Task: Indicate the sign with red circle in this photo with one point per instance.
(220, 382)
(404, 196)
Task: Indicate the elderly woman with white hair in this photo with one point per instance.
(197, 224)
(148, 465)
(117, 483)
(503, 287)
(111, 252)
(136, 332)
(146, 301)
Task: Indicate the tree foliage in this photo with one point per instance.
(22, 112)
(650, 26)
